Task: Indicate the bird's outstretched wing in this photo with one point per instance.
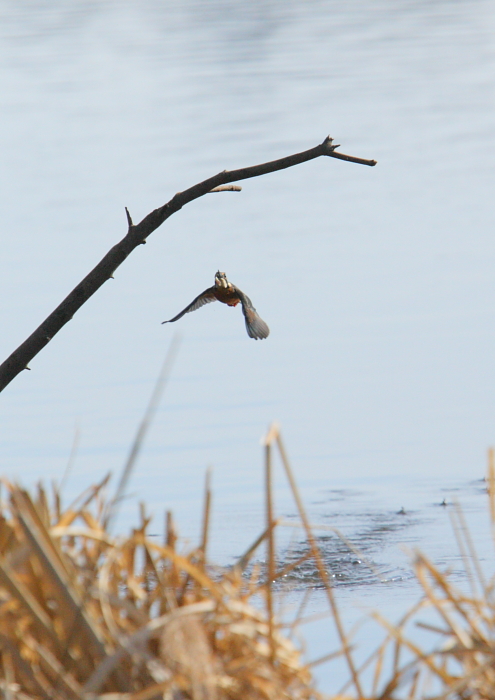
(255, 326)
(205, 297)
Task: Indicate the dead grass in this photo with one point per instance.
(86, 615)
(459, 661)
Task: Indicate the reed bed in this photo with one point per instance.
(85, 614)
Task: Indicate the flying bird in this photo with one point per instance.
(229, 294)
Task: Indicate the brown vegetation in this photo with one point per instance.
(86, 614)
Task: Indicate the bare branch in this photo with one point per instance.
(137, 235)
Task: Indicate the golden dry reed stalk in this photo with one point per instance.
(459, 666)
(459, 663)
(86, 615)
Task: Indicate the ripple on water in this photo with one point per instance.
(366, 541)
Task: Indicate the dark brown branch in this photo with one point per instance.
(137, 235)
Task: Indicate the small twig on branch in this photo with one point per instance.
(226, 188)
(129, 219)
(137, 235)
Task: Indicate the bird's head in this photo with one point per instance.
(221, 280)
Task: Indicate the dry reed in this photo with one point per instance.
(86, 615)
(460, 661)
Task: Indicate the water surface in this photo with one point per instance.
(377, 283)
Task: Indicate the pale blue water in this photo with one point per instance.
(377, 283)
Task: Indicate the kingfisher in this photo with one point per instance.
(229, 294)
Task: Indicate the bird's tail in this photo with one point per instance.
(255, 326)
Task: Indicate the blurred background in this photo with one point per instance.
(377, 283)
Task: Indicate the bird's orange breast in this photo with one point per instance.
(227, 296)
